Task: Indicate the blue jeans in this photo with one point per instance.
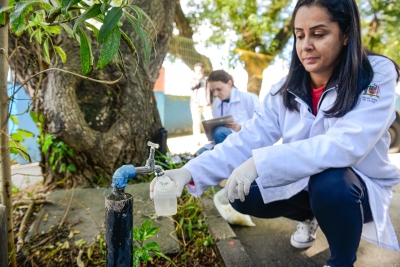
(220, 134)
(338, 198)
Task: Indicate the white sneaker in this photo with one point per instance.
(305, 234)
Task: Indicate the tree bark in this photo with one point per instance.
(3, 236)
(106, 126)
(255, 63)
(6, 190)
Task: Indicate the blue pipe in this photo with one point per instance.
(121, 175)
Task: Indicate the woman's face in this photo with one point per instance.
(319, 42)
(220, 89)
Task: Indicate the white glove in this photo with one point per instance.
(242, 178)
(181, 177)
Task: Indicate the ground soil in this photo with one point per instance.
(54, 248)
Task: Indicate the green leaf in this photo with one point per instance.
(51, 159)
(68, 3)
(61, 53)
(109, 48)
(70, 32)
(136, 258)
(36, 117)
(63, 167)
(71, 168)
(17, 18)
(14, 119)
(86, 52)
(5, 9)
(46, 51)
(17, 137)
(91, 12)
(93, 28)
(128, 41)
(141, 34)
(2, 19)
(26, 133)
(110, 21)
(80, 242)
(136, 234)
(151, 232)
(53, 14)
(52, 29)
(146, 224)
(152, 246)
(3, 12)
(141, 254)
(138, 13)
(38, 35)
(104, 6)
(190, 229)
(69, 152)
(138, 9)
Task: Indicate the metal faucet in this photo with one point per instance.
(150, 163)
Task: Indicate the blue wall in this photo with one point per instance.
(176, 116)
(17, 106)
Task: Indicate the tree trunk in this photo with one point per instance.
(105, 126)
(254, 65)
(6, 188)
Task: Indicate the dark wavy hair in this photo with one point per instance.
(354, 71)
(220, 76)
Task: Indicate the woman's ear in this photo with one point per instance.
(346, 38)
(230, 83)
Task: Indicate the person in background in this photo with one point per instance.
(230, 101)
(200, 100)
(333, 112)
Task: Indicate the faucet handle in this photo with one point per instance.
(150, 144)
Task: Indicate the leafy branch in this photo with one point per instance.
(43, 20)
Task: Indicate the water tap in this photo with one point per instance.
(122, 174)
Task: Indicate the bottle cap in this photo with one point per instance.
(164, 183)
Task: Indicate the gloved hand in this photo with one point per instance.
(181, 177)
(242, 178)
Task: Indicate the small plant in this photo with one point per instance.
(142, 253)
(59, 152)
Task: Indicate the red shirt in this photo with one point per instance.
(315, 96)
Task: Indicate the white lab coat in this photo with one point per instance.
(311, 144)
(241, 106)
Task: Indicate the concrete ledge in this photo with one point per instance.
(229, 249)
(232, 254)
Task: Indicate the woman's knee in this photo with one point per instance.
(220, 133)
(332, 186)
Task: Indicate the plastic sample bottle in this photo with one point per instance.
(165, 201)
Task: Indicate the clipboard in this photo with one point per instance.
(210, 125)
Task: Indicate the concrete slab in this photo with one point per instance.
(87, 210)
(23, 176)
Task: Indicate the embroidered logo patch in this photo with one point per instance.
(372, 90)
(371, 93)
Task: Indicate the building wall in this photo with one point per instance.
(20, 105)
(177, 116)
